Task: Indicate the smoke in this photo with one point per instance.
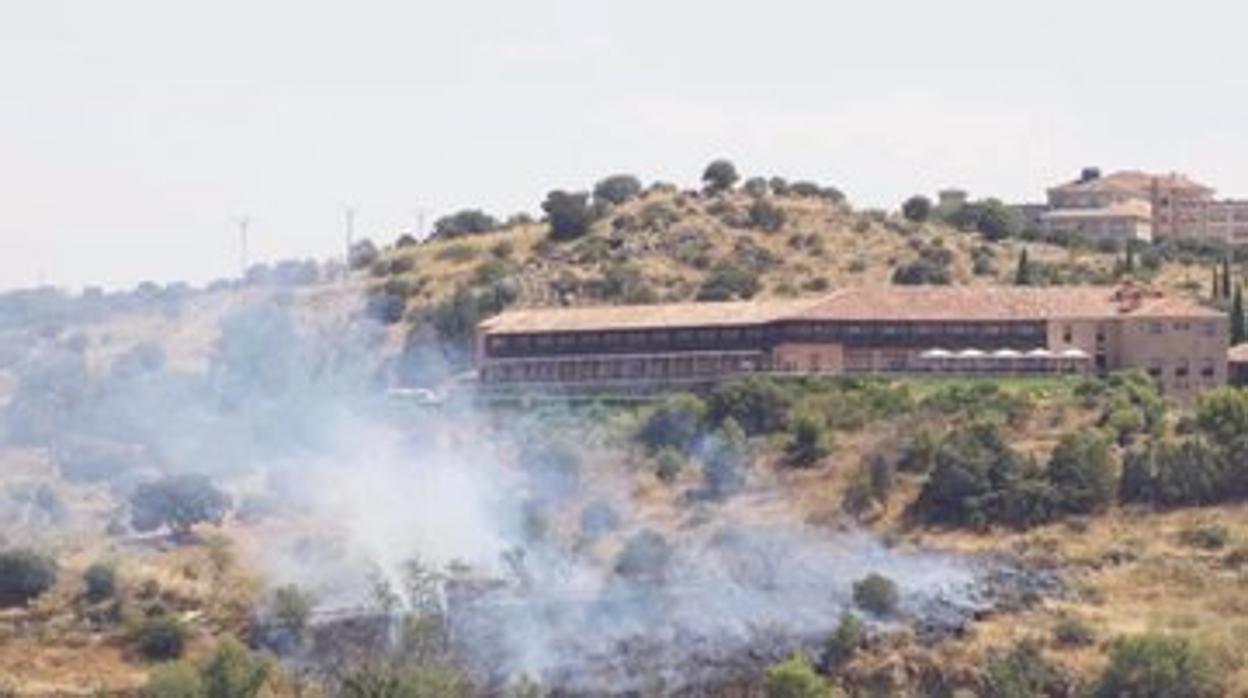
(553, 568)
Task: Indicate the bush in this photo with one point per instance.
(101, 581)
(922, 272)
(292, 607)
(877, 594)
(177, 502)
(766, 216)
(465, 222)
(725, 460)
(233, 672)
(1082, 473)
(569, 213)
(160, 639)
(719, 176)
(728, 281)
(669, 463)
(1071, 632)
(849, 637)
(973, 467)
(808, 442)
(24, 575)
(1024, 673)
(617, 189)
(1169, 474)
(1206, 537)
(795, 678)
(1157, 666)
(917, 208)
(675, 423)
(362, 255)
(429, 681)
(756, 187)
(758, 404)
(174, 680)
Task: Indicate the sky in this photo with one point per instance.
(134, 134)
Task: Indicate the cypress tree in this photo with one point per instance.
(1217, 287)
(1226, 277)
(1128, 264)
(1238, 330)
(1022, 277)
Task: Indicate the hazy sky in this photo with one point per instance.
(134, 132)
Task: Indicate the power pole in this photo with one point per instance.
(243, 261)
(350, 230)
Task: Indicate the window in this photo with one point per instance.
(1208, 368)
(1155, 328)
(1155, 367)
(1068, 334)
(1209, 329)
(1181, 369)
(498, 343)
(1100, 334)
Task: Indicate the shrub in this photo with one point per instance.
(849, 637)
(292, 607)
(1168, 474)
(758, 404)
(756, 187)
(456, 252)
(160, 639)
(808, 442)
(922, 272)
(877, 594)
(101, 581)
(465, 222)
(233, 672)
(1082, 473)
(177, 502)
(725, 460)
(570, 214)
(174, 680)
(917, 208)
(795, 678)
(1206, 537)
(766, 216)
(617, 189)
(24, 575)
(719, 176)
(972, 465)
(1157, 666)
(669, 463)
(429, 681)
(362, 255)
(728, 281)
(1071, 632)
(675, 423)
(1024, 673)
(645, 557)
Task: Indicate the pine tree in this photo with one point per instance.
(1238, 330)
(1022, 277)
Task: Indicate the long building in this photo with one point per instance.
(870, 330)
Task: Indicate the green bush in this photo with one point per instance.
(101, 581)
(758, 404)
(917, 208)
(232, 671)
(177, 502)
(1082, 473)
(1206, 537)
(160, 639)
(24, 575)
(766, 216)
(676, 423)
(669, 463)
(569, 213)
(728, 281)
(849, 637)
(795, 678)
(1024, 673)
(174, 680)
(1170, 474)
(808, 442)
(877, 594)
(720, 176)
(292, 607)
(617, 189)
(1157, 666)
(973, 471)
(465, 222)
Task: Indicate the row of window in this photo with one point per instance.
(754, 335)
(1182, 368)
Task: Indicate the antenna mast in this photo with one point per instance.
(243, 260)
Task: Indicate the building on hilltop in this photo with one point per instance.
(996, 330)
(1131, 205)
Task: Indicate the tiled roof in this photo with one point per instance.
(868, 303)
(1133, 181)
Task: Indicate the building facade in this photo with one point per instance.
(884, 330)
(1131, 205)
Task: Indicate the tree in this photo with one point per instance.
(728, 281)
(1215, 289)
(1157, 666)
(1023, 276)
(766, 216)
(1226, 276)
(1024, 673)
(808, 442)
(675, 423)
(161, 639)
(795, 678)
(292, 607)
(362, 255)
(469, 221)
(177, 502)
(917, 208)
(24, 575)
(725, 460)
(849, 637)
(720, 176)
(756, 187)
(101, 581)
(758, 404)
(1238, 330)
(1082, 473)
(1222, 414)
(617, 189)
(570, 214)
(174, 680)
(877, 594)
(1128, 263)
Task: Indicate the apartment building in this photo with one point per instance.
(1131, 205)
(870, 330)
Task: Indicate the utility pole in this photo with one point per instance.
(243, 261)
(350, 230)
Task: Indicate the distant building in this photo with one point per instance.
(876, 330)
(1132, 205)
